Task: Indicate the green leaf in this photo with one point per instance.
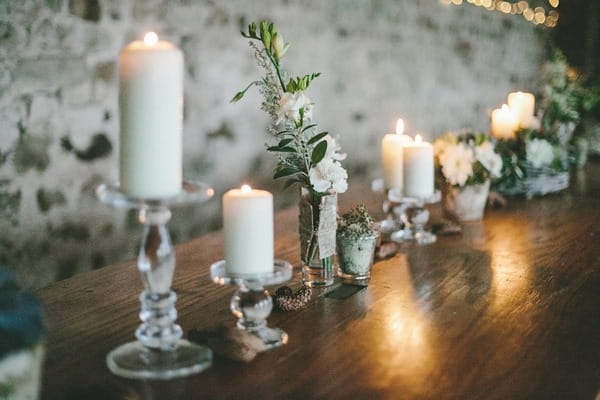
(238, 96)
(281, 149)
(318, 152)
(318, 137)
(283, 142)
(307, 127)
(286, 171)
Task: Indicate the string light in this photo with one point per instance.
(537, 15)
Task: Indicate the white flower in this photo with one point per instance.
(530, 122)
(328, 174)
(333, 149)
(457, 163)
(490, 160)
(539, 152)
(290, 105)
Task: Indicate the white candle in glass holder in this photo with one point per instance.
(391, 156)
(522, 104)
(504, 123)
(248, 230)
(418, 169)
(151, 112)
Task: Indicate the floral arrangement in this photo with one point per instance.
(305, 156)
(466, 159)
(543, 146)
(356, 223)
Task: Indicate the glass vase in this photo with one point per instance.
(317, 227)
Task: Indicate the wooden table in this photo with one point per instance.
(510, 309)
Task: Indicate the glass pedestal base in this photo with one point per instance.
(134, 360)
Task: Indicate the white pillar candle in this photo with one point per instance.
(248, 229)
(151, 112)
(418, 169)
(522, 104)
(391, 156)
(504, 123)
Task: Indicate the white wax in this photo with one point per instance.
(248, 229)
(504, 123)
(522, 104)
(418, 169)
(151, 113)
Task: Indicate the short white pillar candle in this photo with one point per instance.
(248, 229)
(523, 105)
(151, 112)
(391, 156)
(505, 122)
(418, 169)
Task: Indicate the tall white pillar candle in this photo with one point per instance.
(504, 123)
(522, 104)
(391, 156)
(151, 112)
(248, 229)
(418, 169)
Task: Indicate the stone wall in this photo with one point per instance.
(440, 67)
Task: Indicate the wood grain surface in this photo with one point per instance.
(509, 309)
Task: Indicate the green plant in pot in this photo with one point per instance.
(356, 242)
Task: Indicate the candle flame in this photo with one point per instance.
(246, 189)
(150, 39)
(399, 127)
(418, 139)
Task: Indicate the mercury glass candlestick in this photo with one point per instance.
(251, 303)
(415, 217)
(159, 352)
(392, 225)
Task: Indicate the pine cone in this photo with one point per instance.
(286, 301)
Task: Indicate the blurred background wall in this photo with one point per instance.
(436, 65)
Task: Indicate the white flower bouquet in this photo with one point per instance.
(305, 156)
(465, 165)
(466, 159)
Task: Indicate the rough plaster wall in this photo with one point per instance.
(439, 67)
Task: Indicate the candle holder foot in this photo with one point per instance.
(251, 304)
(159, 352)
(135, 361)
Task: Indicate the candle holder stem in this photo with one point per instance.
(252, 305)
(159, 352)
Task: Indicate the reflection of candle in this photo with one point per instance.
(151, 104)
(248, 229)
(504, 122)
(391, 156)
(418, 169)
(522, 104)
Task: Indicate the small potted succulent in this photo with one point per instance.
(21, 342)
(356, 242)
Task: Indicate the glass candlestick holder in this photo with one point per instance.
(415, 216)
(159, 352)
(251, 304)
(391, 226)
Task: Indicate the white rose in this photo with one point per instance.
(328, 174)
(490, 160)
(457, 163)
(540, 152)
(290, 105)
